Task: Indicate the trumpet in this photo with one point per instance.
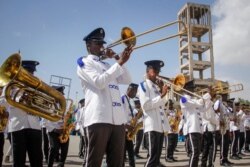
(29, 93)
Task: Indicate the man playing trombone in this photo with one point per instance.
(153, 99)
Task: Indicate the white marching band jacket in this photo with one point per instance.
(152, 104)
(19, 119)
(192, 110)
(102, 95)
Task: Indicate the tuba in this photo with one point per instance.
(175, 121)
(68, 124)
(28, 92)
(135, 125)
(4, 115)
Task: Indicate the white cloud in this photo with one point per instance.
(231, 32)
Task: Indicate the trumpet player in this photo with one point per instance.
(153, 98)
(130, 115)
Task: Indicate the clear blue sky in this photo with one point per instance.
(51, 32)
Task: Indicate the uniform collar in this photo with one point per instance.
(94, 57)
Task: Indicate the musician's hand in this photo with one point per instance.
(125, 55)
(164, 91)
(110, 53)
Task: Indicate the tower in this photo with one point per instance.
(196, 58)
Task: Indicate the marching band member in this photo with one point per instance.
(210, 123)
(192, 111)
(246, 119)
(172, 138)
(126, 100)
(45, 139)
(3, 113)
(152, 102)
(25, 131)
(78, 127)
(139, 135)
(104, 116)
(241, 141)
(55, 129)
(234, 128)
(219, 107)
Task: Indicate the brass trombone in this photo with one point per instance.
(177, 85)
(128, 37)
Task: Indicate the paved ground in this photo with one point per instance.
(181, 156)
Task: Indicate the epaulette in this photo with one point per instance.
(142, 86)
(80, 62)
(123, 99)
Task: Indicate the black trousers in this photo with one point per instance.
(171, 143)
(209, 149)
(224, 146)
(29, 140)
(83, 145)
(241, 142)
(138, 141)
(45, 144)
(155, 141)
(247, 139)
(195, 142)
(235, 140)
(1, 147)
(187, 145)
(55, 145)
(105, 138)
(129, 147)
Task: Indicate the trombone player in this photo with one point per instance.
(153, 97)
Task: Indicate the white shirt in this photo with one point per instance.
(19, 119)
(125, 101)
(192, 110)
(102, 95)
(209, 120)
(224, 113)
(152, 106)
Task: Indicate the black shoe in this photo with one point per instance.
(169, 159)
(229, 162)
(235, 157)
(225, 164)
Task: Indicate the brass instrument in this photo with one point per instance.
(220, 89)
(177, 85)
(175, 121)
(68, 124)
(135, 125)
(128, 37)
(28, 92)
(4, 115)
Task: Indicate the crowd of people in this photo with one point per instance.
(116, 125)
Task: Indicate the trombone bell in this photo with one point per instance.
(127, 35)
